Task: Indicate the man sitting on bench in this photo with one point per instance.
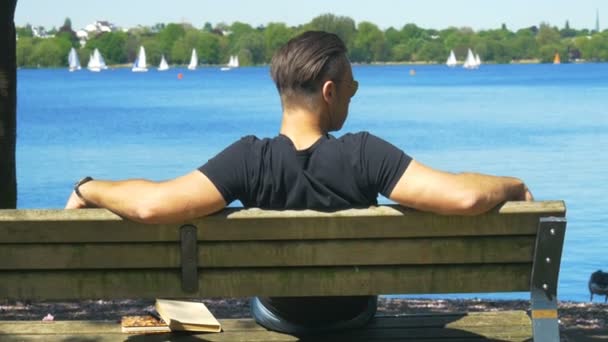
(304, 167)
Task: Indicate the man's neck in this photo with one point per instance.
(302, 127)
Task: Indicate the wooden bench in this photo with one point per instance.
(92, 253)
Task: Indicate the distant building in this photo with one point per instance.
(93, 30)
(99, 27)
(40, 32)
(82, 36)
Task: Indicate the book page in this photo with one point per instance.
(187, 315)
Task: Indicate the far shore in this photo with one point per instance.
(421, 63)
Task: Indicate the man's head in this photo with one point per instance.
(312, 71)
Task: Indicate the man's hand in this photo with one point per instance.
(528, 195)
(75, 202)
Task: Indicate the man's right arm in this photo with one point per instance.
(423, 188)
(173, 201)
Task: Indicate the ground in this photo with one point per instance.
(572, 314)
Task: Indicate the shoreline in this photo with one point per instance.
(420, 63)
(582, 315)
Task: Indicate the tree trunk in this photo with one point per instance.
(8, 105)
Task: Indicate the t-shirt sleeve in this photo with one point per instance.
(383, 162)
(228, 169)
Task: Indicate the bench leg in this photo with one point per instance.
(545, 272)
(545, 326)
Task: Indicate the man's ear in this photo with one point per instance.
(329, 91)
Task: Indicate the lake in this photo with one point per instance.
(546, 124)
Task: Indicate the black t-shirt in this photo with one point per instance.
(332, 174)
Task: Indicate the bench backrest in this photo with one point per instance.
(92, 253)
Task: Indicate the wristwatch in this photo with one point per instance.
(79, 183)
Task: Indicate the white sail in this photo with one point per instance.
(163, 64)
(451, 62)
(95, 61)
(102, 61)
(477, 60)
(73, 60)
(140, 63)
(193, 60)
(470, 62)
(233, 62)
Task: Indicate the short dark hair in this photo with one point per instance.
(301, 65)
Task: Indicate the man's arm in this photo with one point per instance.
(423, 188)
(183, 198)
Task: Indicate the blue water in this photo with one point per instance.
(544, 123)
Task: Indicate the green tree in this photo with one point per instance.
(567, 32)
(275, 35)
(153, 50)
(112, 45)
(25, 50)
(412, 31)
(207, 27)
(51, 52)
(251, 48)
(547, 35)
(181, 51)
(168, 36)
(235, 32)
(67, 24)
(524, 45)
(392, 36)
(547, 52)
(344, 27)
(458, 39)
(25, 31)
(401, 52)
(594, 49)
(432, 51)
(208, 46)
(369, 44)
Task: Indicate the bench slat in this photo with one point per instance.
(304, 281)
(99, 225)
(463, 250)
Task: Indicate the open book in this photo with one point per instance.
(186, 315)
(146, 324)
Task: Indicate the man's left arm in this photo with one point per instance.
(177, 200)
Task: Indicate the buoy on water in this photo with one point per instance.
(412, 72)
(180, 76)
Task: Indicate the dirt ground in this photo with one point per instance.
(572, 314)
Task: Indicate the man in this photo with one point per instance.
(304, 168)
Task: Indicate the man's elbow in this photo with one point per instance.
(148, 212)
(472, 203)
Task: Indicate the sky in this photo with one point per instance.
(438, 14)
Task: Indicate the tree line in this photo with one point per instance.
(366, 42)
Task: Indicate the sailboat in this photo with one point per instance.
(140, 63)
(73, 60)
(477, 60)
(471, 61)
(557, 59)
(233, 62)
(96, 62)
(102, 62)
(163, 64)
(193, 60)
(451, 62)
